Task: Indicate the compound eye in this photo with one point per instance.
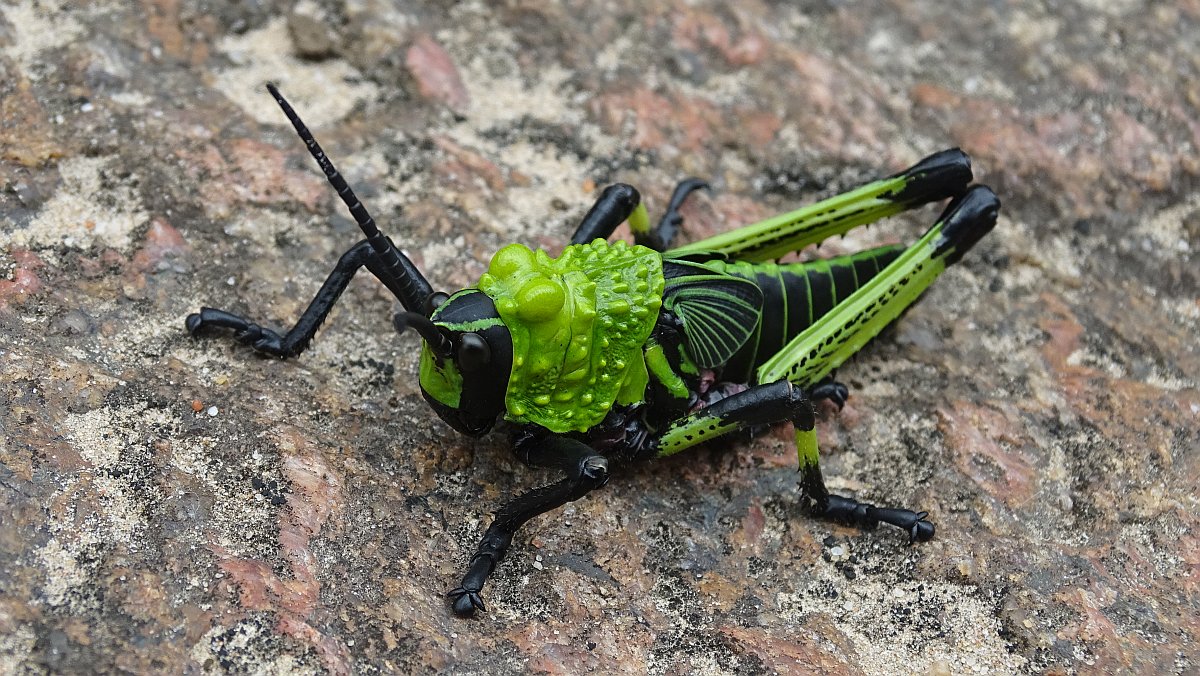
(473, 352)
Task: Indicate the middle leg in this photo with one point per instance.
(758, 406)
(620, 202)
(660, 237)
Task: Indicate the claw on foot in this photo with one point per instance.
(839, 396)
(465, 602)
(921, 530)
(833, 391)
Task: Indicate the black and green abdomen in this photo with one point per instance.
(794, 296)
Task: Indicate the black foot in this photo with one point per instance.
(863, 515)
(246, 332)
(833, 391)
(466, 601)
(941, 175)
(466, 598)
(660, 238)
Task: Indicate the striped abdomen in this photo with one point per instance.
(794, 296)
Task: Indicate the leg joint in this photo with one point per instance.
(594, 467)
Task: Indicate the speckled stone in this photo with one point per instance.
(172, 505)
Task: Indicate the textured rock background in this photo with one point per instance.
(173, 504)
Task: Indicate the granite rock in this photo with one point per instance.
(173, 505)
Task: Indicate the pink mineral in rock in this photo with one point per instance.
(24, 282)
(162, 241)
(436, 75)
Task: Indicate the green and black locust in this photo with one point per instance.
(611, 353)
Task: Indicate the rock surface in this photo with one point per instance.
(177, 505)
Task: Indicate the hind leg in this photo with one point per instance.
(840, 333)
(832, 390)
(941, 175)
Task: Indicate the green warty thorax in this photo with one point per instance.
(578, 324)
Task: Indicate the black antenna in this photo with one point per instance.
(438, 341)
(401, 276)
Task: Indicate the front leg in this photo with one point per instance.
(294, 342)
(585, 471)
